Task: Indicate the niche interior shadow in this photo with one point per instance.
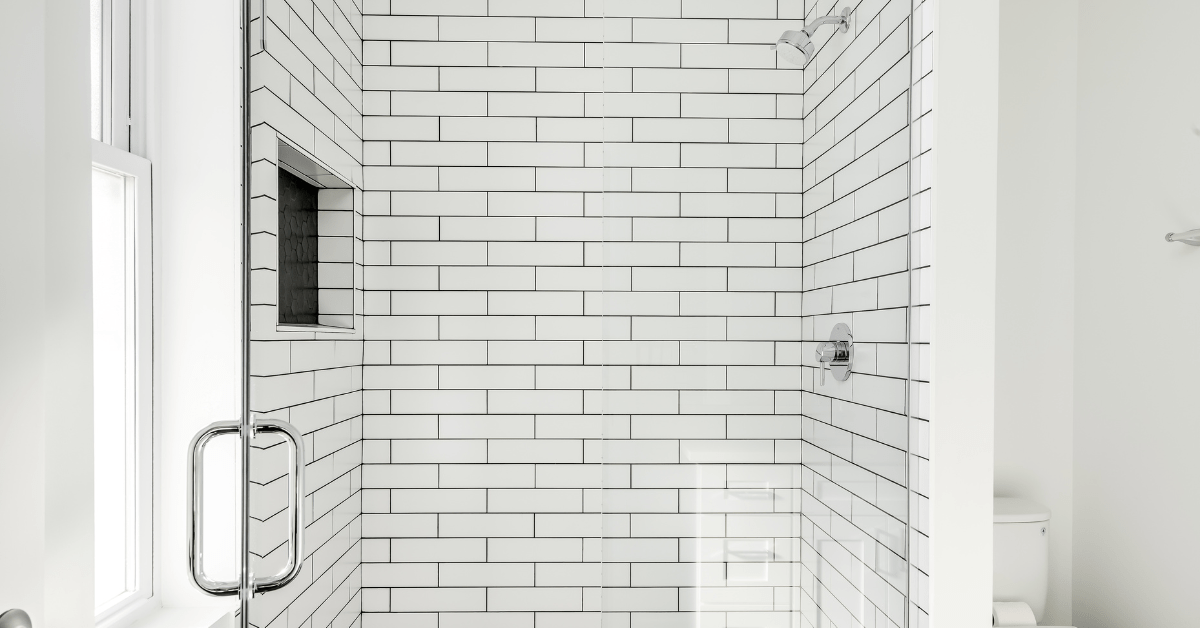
(298, 255)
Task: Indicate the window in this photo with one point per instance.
(123, 380)
(112, 72)
(122, 319)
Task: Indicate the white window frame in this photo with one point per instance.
(139, 219)
(118, 50)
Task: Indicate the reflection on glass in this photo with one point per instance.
(113, 402)
(97, 69)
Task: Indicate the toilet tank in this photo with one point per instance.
(1020, 552)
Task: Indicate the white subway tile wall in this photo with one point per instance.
(923, 104)
(856, 271)
(307, 86)
(598, 243)
(602, 239)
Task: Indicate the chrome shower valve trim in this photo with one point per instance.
(836, 355)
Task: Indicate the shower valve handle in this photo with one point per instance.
(837, 354)
(827, 352)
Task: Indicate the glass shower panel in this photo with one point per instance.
(749, 207)
(703, 229)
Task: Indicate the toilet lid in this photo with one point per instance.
(1015, 510)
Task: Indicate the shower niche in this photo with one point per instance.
(299, 245)
(315, 244)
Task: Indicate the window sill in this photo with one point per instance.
(201, 617)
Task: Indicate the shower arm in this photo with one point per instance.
(842, 20)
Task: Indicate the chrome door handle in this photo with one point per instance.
(195, 501)
(295, 506)
(15, 618)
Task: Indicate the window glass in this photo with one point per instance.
(97, 70)
(115, 408)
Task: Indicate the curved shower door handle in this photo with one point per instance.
(196, 506)
(195, 501)
(295, 506)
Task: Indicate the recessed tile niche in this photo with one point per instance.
(315, 244)
(298, 251)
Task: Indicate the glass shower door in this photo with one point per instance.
(703, 429)
(751, 207)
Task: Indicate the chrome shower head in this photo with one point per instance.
(797, 48)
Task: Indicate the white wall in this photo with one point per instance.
(1035, 271)
(46, 367)
(22, 272)
(1137, 337)
(195, 151)
(68, 340)
(966, 67)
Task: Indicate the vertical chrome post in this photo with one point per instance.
(909, 375)
(245, 427)
(245, 576)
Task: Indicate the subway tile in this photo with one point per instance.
(485, 574)
(529, 54)
(727, 56)
(485, 29)
(522, 327)
(499, 129)
(679, 31)
(438, 599)
(465, 80)
(414, 53)
(535, 599)
(642, 8)
(570, 29)
(533, 500)
(539, 8)
(507, 104)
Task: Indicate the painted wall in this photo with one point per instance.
(47, 491)
(1135, 424)
(1035, 281)
(194, 138)
(964, 135)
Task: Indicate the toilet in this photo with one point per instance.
(1021, 560)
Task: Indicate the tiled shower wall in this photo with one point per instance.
(522, 327)
(582, 244)
(923, 103)
(856, 271)
(307, 92)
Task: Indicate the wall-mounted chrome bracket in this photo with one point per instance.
(1187, 237)
(837, 355)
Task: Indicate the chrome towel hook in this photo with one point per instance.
(1187, 237)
